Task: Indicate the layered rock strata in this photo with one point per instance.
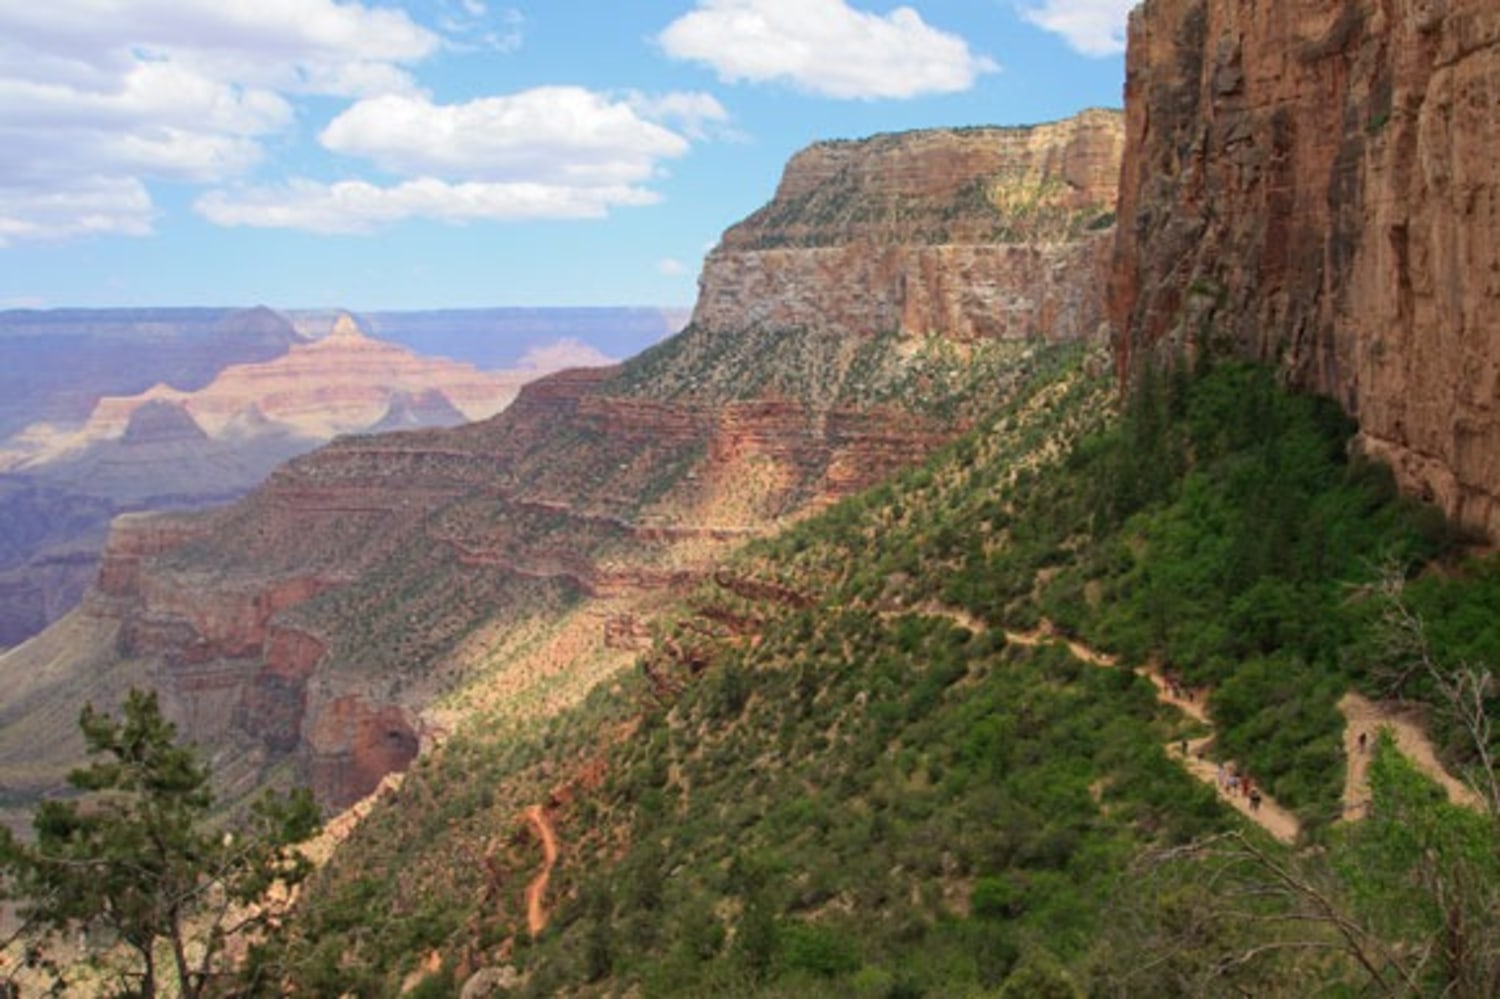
(1317, 185)
(977, 233)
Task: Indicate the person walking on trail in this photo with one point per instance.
(1363, 741)
(1254, 799)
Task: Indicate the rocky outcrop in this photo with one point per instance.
(174, 448)
(971, 234)
(1316, 185)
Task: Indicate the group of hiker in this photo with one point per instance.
(1232, 783)
(1179, 690)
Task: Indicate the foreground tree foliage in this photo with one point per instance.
(133, 862)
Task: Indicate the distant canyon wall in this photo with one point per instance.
(1317, 185)
(982, 233)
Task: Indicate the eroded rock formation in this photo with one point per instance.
(1317, 185)
(972, 233)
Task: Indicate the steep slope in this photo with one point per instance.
(858, 761)
(1316, 185)
(972, 233)
(325, 612)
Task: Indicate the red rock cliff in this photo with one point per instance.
(1317, 184)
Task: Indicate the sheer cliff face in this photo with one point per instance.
(1317, 184)
(975, 234)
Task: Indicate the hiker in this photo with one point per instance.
(1363, 739)
(1255, 799)
(1222, 777)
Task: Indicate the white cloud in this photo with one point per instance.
(547, 153)
(1093, 27)
(550, 135)
(696, 113)
(824, 47)
(118, 206)
(668, 267)
(99, 97)
(356, 206)
(472, 25)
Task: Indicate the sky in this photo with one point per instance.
(413, 154)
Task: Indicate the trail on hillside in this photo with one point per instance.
(536, 891)
(1266, 813)
(1364, 717)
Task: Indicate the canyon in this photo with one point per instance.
(192, 435)
(325, 621)
(1313, 185)
(1290, 184)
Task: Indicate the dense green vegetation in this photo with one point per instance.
(1219, 529)
(852, 783)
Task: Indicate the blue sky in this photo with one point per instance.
(456, 153)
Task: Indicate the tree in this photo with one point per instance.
(135, 858)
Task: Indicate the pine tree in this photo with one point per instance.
(134, 858)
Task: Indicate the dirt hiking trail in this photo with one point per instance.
(1364, 717)
(1266, 813)
(536, 891)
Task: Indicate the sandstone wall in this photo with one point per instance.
(961, 292)
(1318, 185)
(968, 234)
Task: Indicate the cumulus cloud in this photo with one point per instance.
(99, 97)
(1093, 27)
(357, 206)
(824, 47)
(669, 267)
(696, 113)
(549, 135)
(118, 206)
(547, 153)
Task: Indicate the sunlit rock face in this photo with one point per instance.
(971, 233)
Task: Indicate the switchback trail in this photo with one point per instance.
(1364, 717)
(536, 891)
(1361, 715)
(1270, 816)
